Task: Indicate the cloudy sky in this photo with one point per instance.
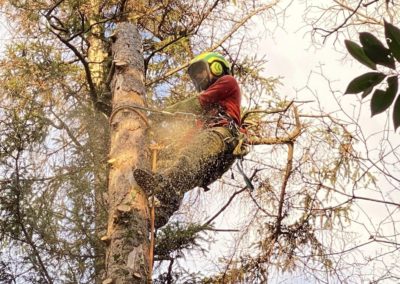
(292, 57)
(325, 71)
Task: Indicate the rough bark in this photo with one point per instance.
(127, 230)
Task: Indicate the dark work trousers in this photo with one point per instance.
(197, 160)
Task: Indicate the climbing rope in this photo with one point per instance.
(246, 179)
(133, 108)
(136, 109)
(154, 150)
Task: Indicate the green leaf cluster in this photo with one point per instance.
(371, 53)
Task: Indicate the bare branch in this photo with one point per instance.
(92, 88)
(53, 7)
(279, 140)
(284, 185)
(219, 43)
(247, 113)
(228, 202)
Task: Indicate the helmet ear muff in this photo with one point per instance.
(216, 68)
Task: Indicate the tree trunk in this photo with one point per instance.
(127, 230)
(97, 55)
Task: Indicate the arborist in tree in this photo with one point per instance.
(208, 152)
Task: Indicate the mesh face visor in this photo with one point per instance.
(200, 74)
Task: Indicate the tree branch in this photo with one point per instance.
(229, 201)
(92, 89)
(239, 24)
(66, 128)
(53, 7)
(353, 196)
(247, 113)
(28, 239)
(284, 185)
(279, 140)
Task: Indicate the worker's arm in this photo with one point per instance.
(220, 90)
(190, 105)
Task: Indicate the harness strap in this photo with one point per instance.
(245, 177)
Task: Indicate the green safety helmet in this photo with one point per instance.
(206, 68)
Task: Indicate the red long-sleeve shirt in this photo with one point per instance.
(224, 92)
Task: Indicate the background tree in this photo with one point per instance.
(373, 52)
(339, 20)
(333, 22)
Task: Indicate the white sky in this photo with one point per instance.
(291, 57)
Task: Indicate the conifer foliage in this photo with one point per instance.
(69, 208)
